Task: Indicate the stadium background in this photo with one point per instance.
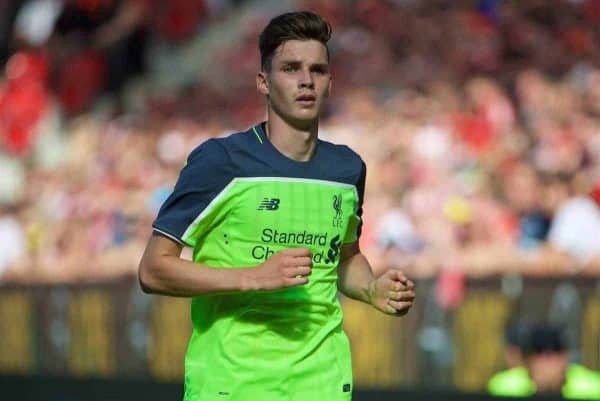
(479, 122)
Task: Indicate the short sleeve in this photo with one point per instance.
(207, 172)
(355, 224)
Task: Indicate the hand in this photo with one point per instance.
(287, 268)
(392, 293)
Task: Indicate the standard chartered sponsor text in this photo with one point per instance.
(291, 238)
(272, 236)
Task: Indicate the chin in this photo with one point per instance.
(307, 119)
(307, 115)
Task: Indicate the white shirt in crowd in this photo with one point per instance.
(576, 228)
(12, 242)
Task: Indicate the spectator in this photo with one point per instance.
(12, 239)
(545, 369)
(472, 171)
(576, 226)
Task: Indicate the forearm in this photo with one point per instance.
(162, 271)
(171, 275)
(355, 278)
(390, 292)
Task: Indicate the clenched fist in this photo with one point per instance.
(287, 268)
(392, 293)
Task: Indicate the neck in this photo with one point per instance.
(297, 143)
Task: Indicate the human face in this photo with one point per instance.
(298, 82)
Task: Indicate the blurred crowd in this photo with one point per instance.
(479, 122)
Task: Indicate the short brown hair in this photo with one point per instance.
(303, 25)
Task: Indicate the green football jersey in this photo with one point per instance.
(237, 202)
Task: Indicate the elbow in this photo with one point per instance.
(147, 277)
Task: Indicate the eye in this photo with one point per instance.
(320, 70)
(288, 68)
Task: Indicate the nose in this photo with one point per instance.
(306, 79)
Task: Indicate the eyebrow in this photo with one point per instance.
(298, 62)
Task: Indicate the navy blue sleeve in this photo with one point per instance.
(208, 170)
(354, 228)
(360, 187)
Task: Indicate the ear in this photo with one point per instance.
(262, 83)
(328, 91)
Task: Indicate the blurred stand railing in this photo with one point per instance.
(453, 337)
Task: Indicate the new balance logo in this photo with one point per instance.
(269, 204)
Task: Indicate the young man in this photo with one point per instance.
(273, 215)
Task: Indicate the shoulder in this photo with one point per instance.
(211, 163)
(339, 151)
(218, 150)
(512, 382)
(209, 150)
(518, 373)
(580, 373)
(581, 383)
(342, 164)
(342, 155)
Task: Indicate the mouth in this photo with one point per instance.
(306, 99)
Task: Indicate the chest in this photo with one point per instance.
(291, 204)
(264, 215)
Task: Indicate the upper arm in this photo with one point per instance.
(205, 175)
(349, 250)
(354, 273)
(160, 245)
